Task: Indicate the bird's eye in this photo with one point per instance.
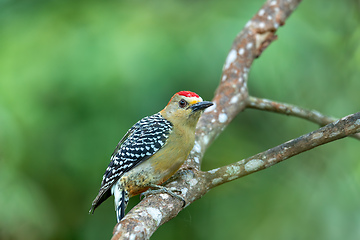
(182, 103)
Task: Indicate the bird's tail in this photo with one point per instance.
(121, 202)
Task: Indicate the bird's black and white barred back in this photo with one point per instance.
(144, 139)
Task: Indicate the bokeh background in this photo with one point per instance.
(75, 75)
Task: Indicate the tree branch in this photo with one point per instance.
(333, 131)
(292, 110)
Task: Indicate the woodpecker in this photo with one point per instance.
(151, 151)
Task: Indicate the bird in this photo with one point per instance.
(151, 151)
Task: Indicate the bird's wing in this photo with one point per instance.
(142, 141)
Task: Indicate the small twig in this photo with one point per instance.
(333, 131)
(291, 110)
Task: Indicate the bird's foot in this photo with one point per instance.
(161, 189)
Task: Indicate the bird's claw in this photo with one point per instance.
(162, 189)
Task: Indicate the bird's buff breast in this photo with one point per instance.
(155, 170)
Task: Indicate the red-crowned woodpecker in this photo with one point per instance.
(152, 151)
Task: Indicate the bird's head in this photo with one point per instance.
(185, 108)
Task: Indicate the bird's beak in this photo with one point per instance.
(200, 106)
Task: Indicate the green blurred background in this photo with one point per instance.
(75, 75)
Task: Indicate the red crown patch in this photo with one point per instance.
(188, 94)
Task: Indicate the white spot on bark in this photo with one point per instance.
(253, 165)
(235, 98)
(245, 75)
(272, 3)
(271, 160)
(230, 58)
(214, 170)
(296, 110)
(206, 140)
(118, 227)
(142, 214)
(193, 182)
(231, 170)
(357, 122)
(281, 107)
(155, 214)
(223, 117)
(334, 134)
(216, 181)
(164, 196)
(197, 147)
(196, 159)
(249, 45)
(132, 236)
(184, 191)
(186, 177)
(233, 177)
(261, 12)
(223, 77)
(241, 51)
(317, 135)
(261, 25)
(243, 89)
